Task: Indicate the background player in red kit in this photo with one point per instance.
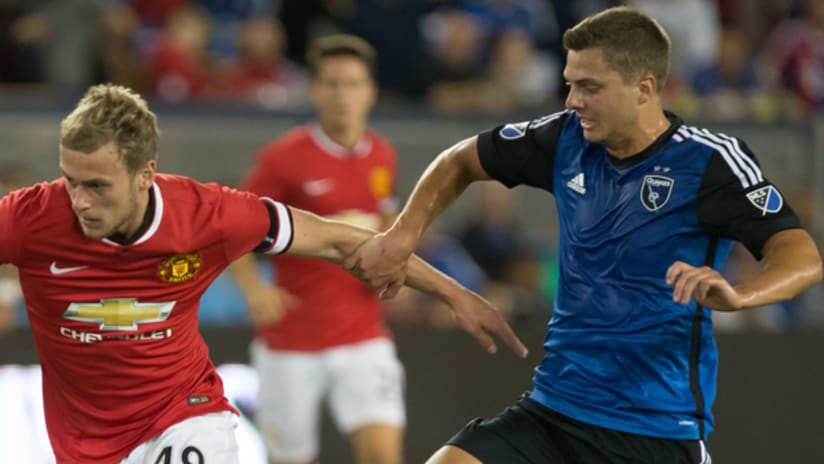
(320, 332)
(113, 260)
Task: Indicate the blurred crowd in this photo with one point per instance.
(732, 59)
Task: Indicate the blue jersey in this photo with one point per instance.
(620, 353)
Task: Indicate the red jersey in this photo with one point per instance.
(306, 169)
(116, 325)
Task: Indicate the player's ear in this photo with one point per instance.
(146, 175)
(647, 88)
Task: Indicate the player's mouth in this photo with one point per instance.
(587, 124)
(89, 222)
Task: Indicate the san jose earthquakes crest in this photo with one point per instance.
(655, 191)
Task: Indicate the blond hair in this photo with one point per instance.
(112, 113)
(633, 43)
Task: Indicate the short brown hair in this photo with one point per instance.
(112, 113)
(633, 43)
(340, 45)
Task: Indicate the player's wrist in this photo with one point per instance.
(404, 238)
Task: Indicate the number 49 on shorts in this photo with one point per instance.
(189, 455)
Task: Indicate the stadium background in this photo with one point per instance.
(769, 406)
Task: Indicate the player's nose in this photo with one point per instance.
(573, 99)
(80, 202)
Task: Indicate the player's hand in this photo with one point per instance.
(704, 284)
(268, 304)
(479, 318)
(380, 263)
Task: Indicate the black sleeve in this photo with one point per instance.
(522, 153)
(747, 209)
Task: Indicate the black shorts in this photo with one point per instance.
(530, 433)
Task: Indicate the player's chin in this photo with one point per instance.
(594, 136)
(95, 233)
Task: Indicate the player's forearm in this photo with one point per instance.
(791, 265)
(442, 182)
(422, 276)
(244, 273)
(318, 237)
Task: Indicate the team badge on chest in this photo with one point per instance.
(655, 191)
(179, 268)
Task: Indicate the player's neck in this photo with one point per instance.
(651, 124)
(345, 136)
(140, 223)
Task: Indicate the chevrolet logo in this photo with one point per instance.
(119, 313)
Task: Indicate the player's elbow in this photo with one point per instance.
(817, 273)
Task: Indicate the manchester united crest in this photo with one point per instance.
(380, 182)
(179, 268)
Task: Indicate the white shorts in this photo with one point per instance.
(206, 439)
(362, 384)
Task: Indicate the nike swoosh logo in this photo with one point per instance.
(316, 188)
(63, 270)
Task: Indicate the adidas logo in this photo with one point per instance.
(577, 184)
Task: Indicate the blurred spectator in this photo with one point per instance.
(756, 18)
(694, 27)
(57, 41)
(303, 21)
(394, 28)
(179, 62)
(493, 239)
(260, 75)
(491, 234)
(537, 17)
(457, 61)
(12, 177)
(729, 86)
(520, 76)
(118, 59)
(795, 54)
(156, 13)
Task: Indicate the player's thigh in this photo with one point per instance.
(206, 439)
(515, 436)
(452, 455)
(367, 385)
(291, 392)
(530, 433)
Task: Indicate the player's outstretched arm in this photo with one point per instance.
(265, 302)
(441, 183)
(791, 264)
(331, 240)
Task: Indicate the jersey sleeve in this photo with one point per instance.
(6, 232)
(251, 223)
(735, 201)
(265, 178)
(12, 221)
(522, 153)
